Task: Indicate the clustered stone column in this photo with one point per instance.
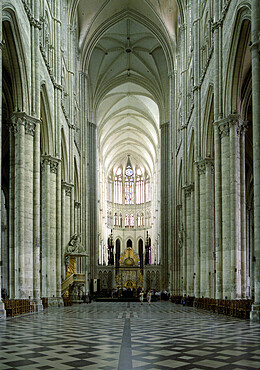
(24, 175)
(92, 198)
(210, 252)
(189, 281)
(50, 251)
(164, 200)
(255, 50)
(2, 310)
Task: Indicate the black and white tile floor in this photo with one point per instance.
(128, 336)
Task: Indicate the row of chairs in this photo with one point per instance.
(15, 307)
(236, 308)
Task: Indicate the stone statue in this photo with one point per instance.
(74, 245)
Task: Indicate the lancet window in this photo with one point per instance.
(129, 185)
(139, 187)
(118, 187)
(148, 189)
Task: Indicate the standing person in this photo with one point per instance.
(141, 297)
(149, 296)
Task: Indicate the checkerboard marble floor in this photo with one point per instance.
(128, 336)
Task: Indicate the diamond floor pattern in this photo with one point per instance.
(126, 336)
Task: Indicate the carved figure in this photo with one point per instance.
(74, 245)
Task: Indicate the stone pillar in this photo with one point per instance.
(192, 252)
(210, 253)
(197, 261)
(19, 164)
(244, 273)
(63, 226)
(45, 225)
(235, 125)
(197, 146)
(2, 308)
(83, 80)
(36, 218)
(13, 252)
(177, 275)
(53, 164)
(164, 201)
(92, 188)
(28, 206)
(218, 213)
(255, 50)
(202, 215)
(23, 247)
(225, 174)
(217, 150)
(189, 240)
(184, 245)
(58, 234)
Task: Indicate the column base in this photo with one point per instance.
(2, 311)
(255, 312)
(37, 302)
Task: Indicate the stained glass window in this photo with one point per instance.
(118, 187)
(148, 190)
(129, 185)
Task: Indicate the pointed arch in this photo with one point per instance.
(208, 130)
(14, 60)
(239, 60)
(46, 123)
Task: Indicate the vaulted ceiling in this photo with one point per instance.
(125, 59)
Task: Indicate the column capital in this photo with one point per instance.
(67, 187)
(209, 163)
(188, 189)
(236, 120)
(164, 125)
(48, 160)
(223, 128)
(22, 119)
(92, 125)
(201, 166)
(77, 204)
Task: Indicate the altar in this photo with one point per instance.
(129, 274)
